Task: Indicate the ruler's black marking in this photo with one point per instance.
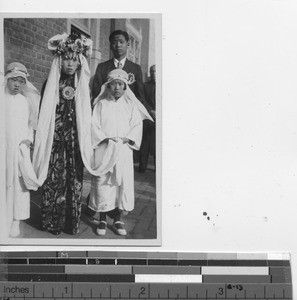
(71, 261)
(100, 278)
(37, 277)
(252, 263)
(189, 262)
(162, 262)
(42, 261)
(99, 261)
(18, 261)
(131, 261)
(278, 263)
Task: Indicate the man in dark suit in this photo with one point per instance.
(148, 144)
(119, 43)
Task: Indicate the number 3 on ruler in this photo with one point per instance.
(221, 291)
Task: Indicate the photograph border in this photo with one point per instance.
(4, 240)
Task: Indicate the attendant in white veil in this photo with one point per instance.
(117, 119)
(21, 107)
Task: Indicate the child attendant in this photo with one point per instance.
(21, 103)
(117, 118)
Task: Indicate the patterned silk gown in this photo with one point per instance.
(62, 190)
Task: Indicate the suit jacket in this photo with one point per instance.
(104, 68)
(150, 95)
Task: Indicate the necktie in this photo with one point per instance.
(120, 66)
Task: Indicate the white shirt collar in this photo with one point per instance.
(116, 61)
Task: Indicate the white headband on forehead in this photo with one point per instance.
(16, 69)
(120, 75)
(15, 73)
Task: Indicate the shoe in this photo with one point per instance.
(74, 231)
(101, 229)
(55, 232)
(119, 228)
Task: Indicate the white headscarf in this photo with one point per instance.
(32, 95)
(128, 95)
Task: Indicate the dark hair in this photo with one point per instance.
(119, 32)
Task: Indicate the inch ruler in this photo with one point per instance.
(144, 275)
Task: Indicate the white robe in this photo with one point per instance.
(111, 119)
(17, 130)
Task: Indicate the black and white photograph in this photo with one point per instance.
(82, 140)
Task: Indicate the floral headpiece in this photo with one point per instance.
(62, 43)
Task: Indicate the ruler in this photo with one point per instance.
(144, 275)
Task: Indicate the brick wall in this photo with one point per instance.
(26, 42)
(105, 30)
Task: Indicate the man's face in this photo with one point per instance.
(153, 73)
(70, 63)
(117, 88)
(15, 85)
(119, 46)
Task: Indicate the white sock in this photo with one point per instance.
(15, 228)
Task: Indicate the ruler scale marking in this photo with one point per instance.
(225, 278)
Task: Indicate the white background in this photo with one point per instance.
(229, 117)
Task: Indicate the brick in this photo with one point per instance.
(7, 23)
(16, 56)
(16, 27)
(29, 33)
(31, 21)
(27, 46)
(15, 41)
(23, 22)
(28, 59)
(38, 74)
(8, 31)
